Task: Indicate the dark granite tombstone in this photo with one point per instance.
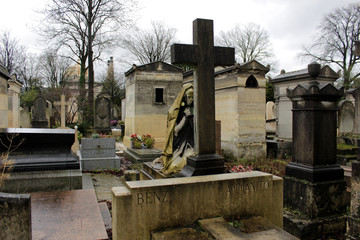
(39, 119)
(102, 114)
(314, 186)
(39, 149)
(204, 56)
(43, 160)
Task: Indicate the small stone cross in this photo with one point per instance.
(62, 104)
(205, 57)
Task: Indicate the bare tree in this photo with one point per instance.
(250, 41)
(54, 69)
(335, 42)
(11, 52)
(28, 71)
(151, 45)
(86, 28)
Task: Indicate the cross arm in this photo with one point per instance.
(184, 53)
(224, 56)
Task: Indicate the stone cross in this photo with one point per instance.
(204, 56)
(62, 106)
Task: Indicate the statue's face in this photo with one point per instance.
(189, 97)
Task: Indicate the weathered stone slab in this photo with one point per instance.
(66, 215)
(141, 207)
(15, 212)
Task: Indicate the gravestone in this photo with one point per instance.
(102, 114)
(39, 119)
(313, 175)
(356, 95)
(346, 117)
(270, 117)
(205, 57)
(24, 118)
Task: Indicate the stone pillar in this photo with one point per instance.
(314, 186)
(354, 218)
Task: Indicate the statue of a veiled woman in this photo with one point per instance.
(179, 143)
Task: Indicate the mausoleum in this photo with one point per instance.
(150, 91)
(289, 80)
(240, 100)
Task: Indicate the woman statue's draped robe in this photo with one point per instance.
(179, 142)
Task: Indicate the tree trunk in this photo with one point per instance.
(90, 116)
(82, 92)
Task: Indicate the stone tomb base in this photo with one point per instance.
(42, 181)
(98, 153)
(308, 217)
(141, 155)
(141, 207)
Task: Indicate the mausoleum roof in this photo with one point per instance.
(325, 72)
(154, 66)
(242, 67)
(3, 72)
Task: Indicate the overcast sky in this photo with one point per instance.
(290, 23)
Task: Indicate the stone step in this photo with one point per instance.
(254, 228)
(66, 215)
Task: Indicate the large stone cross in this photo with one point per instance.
(204, 56)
